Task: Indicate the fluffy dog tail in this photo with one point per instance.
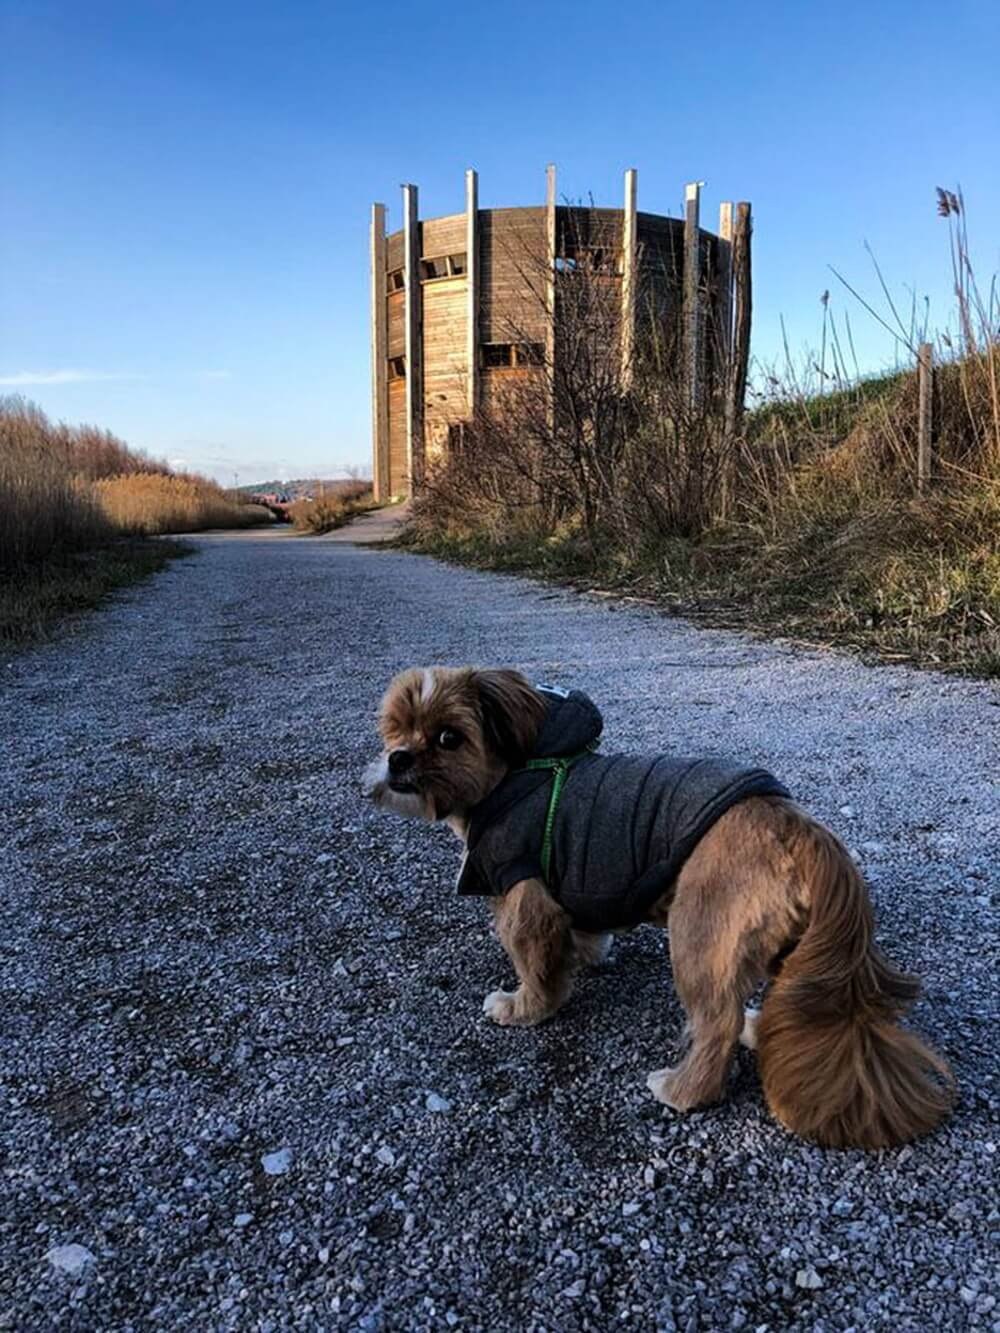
(835, 1066)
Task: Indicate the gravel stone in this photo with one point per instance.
(277, 1163)
(70, 1259)
(181, 970)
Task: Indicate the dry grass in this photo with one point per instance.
(332, 509)
(148, 504)
(72, 501)
(44, 510)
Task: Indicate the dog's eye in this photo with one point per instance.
(448, 739)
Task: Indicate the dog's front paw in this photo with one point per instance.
(662, 1084)
(500, 1006)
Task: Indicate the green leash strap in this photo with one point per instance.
(560, 771)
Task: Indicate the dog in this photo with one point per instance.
(752, 888)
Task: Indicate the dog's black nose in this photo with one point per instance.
(400, 761)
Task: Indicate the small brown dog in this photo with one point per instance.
(571, 845)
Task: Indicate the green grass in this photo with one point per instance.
(35, 600)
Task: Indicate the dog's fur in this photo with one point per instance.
(768, 894)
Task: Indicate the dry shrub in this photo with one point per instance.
(332, 508)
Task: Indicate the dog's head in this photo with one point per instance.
(450, 735)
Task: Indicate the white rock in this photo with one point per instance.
(242, 1220)
(70, 1259)
(575, 1289)
(277, 1163)
(629, 1208)
(808, 1278)
(436, 1103)
(847, 811)
(386, 1156)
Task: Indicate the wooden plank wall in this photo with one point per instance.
(512, 271)
(398, 465)
(445, 387)
(442, 236)
(658, 297)
(397, 324)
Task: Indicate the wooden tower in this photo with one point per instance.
(457, 310)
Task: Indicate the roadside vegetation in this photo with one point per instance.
(77, 510)
(806, 520)
(337, 504)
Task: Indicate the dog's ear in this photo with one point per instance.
(512, 713)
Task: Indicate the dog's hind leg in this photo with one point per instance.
(535, 931)
(735, 905)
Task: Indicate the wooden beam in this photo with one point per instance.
(381, 480)
(739, 361)
(925, 413)
(472, 288)
(724, 292)
(629, 277)
(692, 293)
(412, 322)
(550, 286)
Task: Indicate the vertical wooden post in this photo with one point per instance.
(551, 291)
(629, 276)
(739, 361)
(472, 288)
(381, 480)
(412, 322)
(724, 293)
(925, 410)
(692, 292)
(550, 288)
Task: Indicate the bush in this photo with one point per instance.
(331, 509)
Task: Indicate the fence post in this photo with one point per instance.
(925, 413)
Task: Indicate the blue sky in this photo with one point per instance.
(186, 186)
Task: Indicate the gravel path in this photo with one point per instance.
(243, 1060)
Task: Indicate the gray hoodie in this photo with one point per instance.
(624, 825)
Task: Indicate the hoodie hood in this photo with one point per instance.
(572, 722)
